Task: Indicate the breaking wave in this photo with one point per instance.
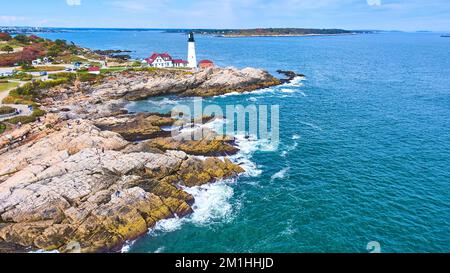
(296, 82)
(212, 205)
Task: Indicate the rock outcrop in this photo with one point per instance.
(208, 82)
(89, 176)
(208, 143)
(137, 127)
(84, 189)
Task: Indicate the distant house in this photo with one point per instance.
(36, 62)
(77, 65)
(45, 60)
(205, 64)
(6, 74)
(164, 60)
(179, 63)
(94, 70)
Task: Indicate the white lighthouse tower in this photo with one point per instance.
(192, 57)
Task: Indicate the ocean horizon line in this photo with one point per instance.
(224, 29)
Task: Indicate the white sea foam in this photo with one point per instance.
(160, 250)
(286, 90)
(247, 147)
(297, 81)
(229, 94)
(292, 147)
(250, 168)
(127, 246)
(217, 125)
(167, 225)
(255, 92)
(41, 251)
(212, 204)
(281, 174)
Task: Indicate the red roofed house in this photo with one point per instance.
(164, 60)
(94, 70)
(205, 64)
(179, 63)
(160, 60)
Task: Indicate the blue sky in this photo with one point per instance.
(407, 15)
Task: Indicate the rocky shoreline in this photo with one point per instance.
(89, 176)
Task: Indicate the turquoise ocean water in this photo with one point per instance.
(364, 153)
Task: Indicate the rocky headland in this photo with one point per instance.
(89, 176)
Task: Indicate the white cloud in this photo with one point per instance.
(140, 5)
(11, 19)
(374, 3)
(73, 2)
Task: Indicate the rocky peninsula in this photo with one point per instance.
(89, 176)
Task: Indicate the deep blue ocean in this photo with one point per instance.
(364, 153)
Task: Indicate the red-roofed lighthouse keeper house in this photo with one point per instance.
(164, 60)
(160, 60)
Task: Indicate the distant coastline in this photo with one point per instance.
(271, 32)
(226, 33)
(282, 35)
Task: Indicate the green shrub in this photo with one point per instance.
(26, 66)
(22, 38)
(22, 119)
(63, 75)
(86, 77)
(38, 112)
(4, 110)
(22, 76)
(6, 48)
(2, 128)
(32, 89)
(17, 100)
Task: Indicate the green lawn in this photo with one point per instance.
(113, 69)
(45, 68)
(7, 86)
